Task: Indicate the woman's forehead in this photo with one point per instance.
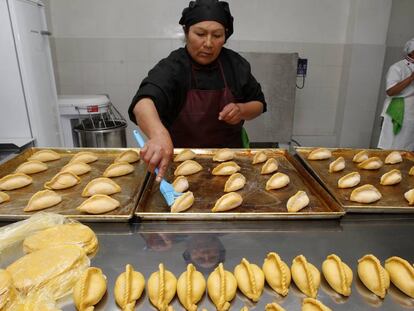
(208, 25)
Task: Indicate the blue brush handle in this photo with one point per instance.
(141, 143)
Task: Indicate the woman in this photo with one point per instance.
(398, 127)
(200, 95)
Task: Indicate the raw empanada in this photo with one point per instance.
(101, 185)
(277, 181)
(337, 274)
(183, 202)
(337, 165)
(242, 309)
(227, 202)
(297, 202)
(62, 180)
(77, 168)
(7, 290)
(15, 181)
(185, 155)
(393, 158)
(391, 178)
(98, 204)
(273, 307)
(4, 197)
(191, 286)
(277, 273)
(270, 166)
(161, 288)
(84, 156)
(320, 154)
(360, 156)
(365, 194)
(118, 169)
(129, 156)
(409, 196)
(235, 182)
(31, 167)
(181, 184)
(411, 172)
(349, 180)
(224, 154)
(310, 304)
(250, 279)
(401, 273)
(42, 199)
(45, 156)
(188, 167)
(226, 168)
(372, 163)
(221, 288)
(306, 276)
(373, 275)
(129, 286)
(89, 289)
(259, 157)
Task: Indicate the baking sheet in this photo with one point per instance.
(132, 186)
(392, 200)
(257, 202)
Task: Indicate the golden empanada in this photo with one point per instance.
(411, 172)
(401, 274)
(349, 180)
(224, 154)
(273, 307)
(393, 158)
(360, 156)
(235, 182)
(129, 156)
(221, 288)
(183, 202)
(62, 180)
(129, 286)
(226, 168)
(337, 274)
(188, 167)
(7, 290)
(185, 155)
(98, 204)
(337, 165)
(365, 194)
(250, 279)
(84, 156)
(42, 199)
(373, 275)
(227, 202)
(297, 202)
(310, 304)
(101, 185)
(372, 163)
(306, 276)
(259, 157)
(242, 309)
(118, 169)
(4, 197)
(89, 289)
(191, 286)
(270, 166)
(181, 184)
(15, 181)
(277, 181)
(320, 154)
(161, 288)
(277, 273)
(45, 156)
(391, 178)
(77, 168)
(31, 167)
(409, 196)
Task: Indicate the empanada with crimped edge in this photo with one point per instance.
(411, 172)
(349, 180)
(393, 158)
(297, 202)
(360, 156)
(129, 286)
(277, 181)
(101, 185)
(337, 274)
(89, 289)
(259, 157)
(221, 288)
(337, 165)
(185, 155)
(183, 202)
(188, 167)
(373, 163)
(42, 199)
(320, 154)
(373, 275)
(44, 156)
(306, 276)
(250, 279)
(270, 166)
(277, 273)
(161, 288)
(223, 155)
(273, 307)
(77, 168)
(118, 169)
(62, 180)
(227, 202)
(4, 197)
(226, 168)
(234, 182)
(15, 181)
(365, 194)
(31, 167)
(84, 156)
(391, 178)
(181, 184)
(98, 204)
(401, 274)
(409, 196)
(191, 286)
(7, 290)
(130, 156)
(311, 304)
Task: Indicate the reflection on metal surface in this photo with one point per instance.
(400, 298)
(369, 297)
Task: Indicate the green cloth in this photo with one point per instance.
(396, 111)
(245, 138)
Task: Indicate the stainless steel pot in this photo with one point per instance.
(112, 136)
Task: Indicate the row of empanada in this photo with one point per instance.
(221, 155)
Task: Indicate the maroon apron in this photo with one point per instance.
(197, 124)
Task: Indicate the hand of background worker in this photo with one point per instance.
(231, 113)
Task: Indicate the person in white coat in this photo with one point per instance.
(398, 126)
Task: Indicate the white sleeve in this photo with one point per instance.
(393, 76)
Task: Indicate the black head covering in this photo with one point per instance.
(208, 10)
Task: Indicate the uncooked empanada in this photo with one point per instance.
(4, 197)
(270, 166)
(183, 202)
(42, 199)
(188, 167)
(118, 169)
(161, 288)
(360, 156)
(372, 163)
(250, 279)
(181, 184)
(411, 172)
(277, 273)
(273, 307)
(129, 156)
(297, 202)
(277, 181)
(391, 178)
(77, 168)
(191, 286)
(306, 276)
(373, 275)
(227, 202)
(89, 289)
(349, 180)
(222, 155)
(337, 165)
(320, 154)
(15, 181)
(62, 180)
(98, 204)
(409, 196)
(185, 155)
(31, 167)
(310, 304)
(365, 194)
(337, 274)
(84, 156)
(45, 156)
(401, 273)
(129, 286)
(222, 287)
(259, 157)
(235, 182)
(242, 309)
(393, 158)
(226, 168)
(7, 290)
(101, 185)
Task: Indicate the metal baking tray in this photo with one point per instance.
(392, 200)
(257, 202)
(132, 186)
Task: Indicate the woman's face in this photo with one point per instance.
(205, 41)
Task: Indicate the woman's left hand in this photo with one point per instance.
(231, 113)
